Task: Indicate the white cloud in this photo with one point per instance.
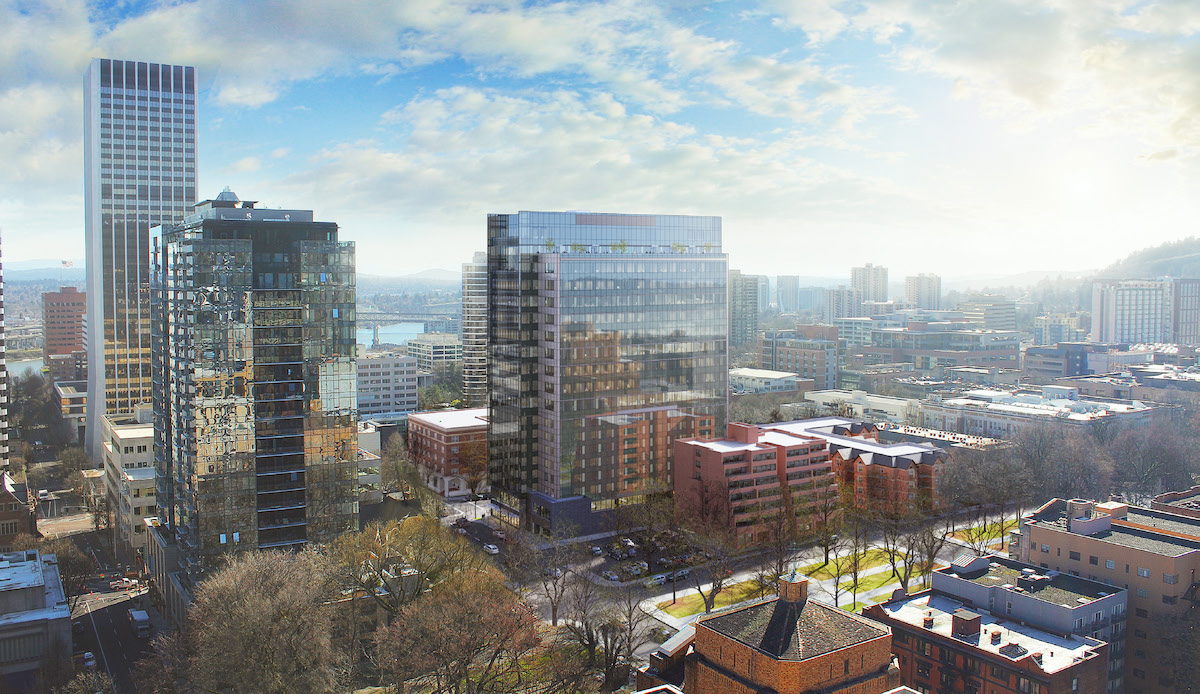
(244, 165)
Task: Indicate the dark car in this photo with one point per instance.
(77, 627)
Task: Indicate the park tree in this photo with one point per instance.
(263, 624)
(1152, 460)
(397, 561)
(470, 635)
(473, 464)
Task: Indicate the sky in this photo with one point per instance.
(961, 137)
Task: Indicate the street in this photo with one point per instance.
(106, 631)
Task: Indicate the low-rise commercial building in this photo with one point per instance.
(932, 349)
(862, 405)
(72, 396)
(35, 619)
(1005, 413)
(1184, 503)
(1152, 554)
(439, 441)
(745, 380)
(987, 626)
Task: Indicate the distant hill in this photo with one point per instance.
(1175, 258)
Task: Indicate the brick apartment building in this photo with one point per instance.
(436, 441)
(1153, 554)
(751, 474)
(991, 624)
(884, 475)
(944, 646)
(16, 512)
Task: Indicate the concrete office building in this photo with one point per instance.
(791, 350)
(601, 328)
(139, 172)
(35, 620)
(923, 291)
(743, 308)
(1003, 414)
(745, 380)
(387, 385)
(127, 442)
(474, 331)
(1059, 327)
(1154, 555)
(990, 312)
(255, 403)
(870, 281)
(435, 351)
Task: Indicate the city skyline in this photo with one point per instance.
(919, 131)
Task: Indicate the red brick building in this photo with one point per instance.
(16, 512)
(62, 321)
(790, 644)
(874, 473)
(750, 476)
(437, 442)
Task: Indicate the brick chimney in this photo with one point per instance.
(965, 623)
(793, 587)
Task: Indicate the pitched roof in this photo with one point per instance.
(794, 630)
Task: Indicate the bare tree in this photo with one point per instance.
(858, 526)
(929, 540)
(398, 561)
(471, 635)
(900, 532)
(262, 624)
(719, 549)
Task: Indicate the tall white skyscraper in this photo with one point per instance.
(870, 281)
(923, 291)
(139, 172)
(474, 330)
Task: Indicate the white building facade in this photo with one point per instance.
(387, 385)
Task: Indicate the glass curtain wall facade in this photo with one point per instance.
(608, 339)
(139, 172)
(474, 330)
(255, 392)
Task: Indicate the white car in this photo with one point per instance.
(89, 660)
(491, 549)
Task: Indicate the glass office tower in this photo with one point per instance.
(607, 338)
(255, 397)
(139, 172)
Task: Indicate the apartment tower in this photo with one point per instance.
(474, 330)
(743, 308)
(923, 291)
(255, 432)
(870, 281)
(606, 341)
(139, 172)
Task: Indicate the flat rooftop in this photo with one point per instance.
(762, 373)
(452, 419)
(1143, 529)
(1017, 640)
(824, 429)
(1062, 589)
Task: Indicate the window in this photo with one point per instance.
(1075, 556)
(1171, 578)
(1094, 560)
(1144, 573)
(922, 668)
(1110, 564)
(1169, 599)
(1141, 613)
(1046, 548)
(1139, 633)
(1143, 593)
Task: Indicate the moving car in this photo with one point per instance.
(491, 549)
(655, 581)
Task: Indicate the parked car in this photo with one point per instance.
(553, 572)
(596, 551)
(461, 531)
(627, 542)
(643, 564)
(635, 570)
(655, 581)
(681, 573)
(77, 627)
(610, 576)
(499, 534)
(43, 494)
(89, 660)
(461, 522)
(491, 549)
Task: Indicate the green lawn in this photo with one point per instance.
(821, 571)
(693, 603)
(872, 582)
(994, 530)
